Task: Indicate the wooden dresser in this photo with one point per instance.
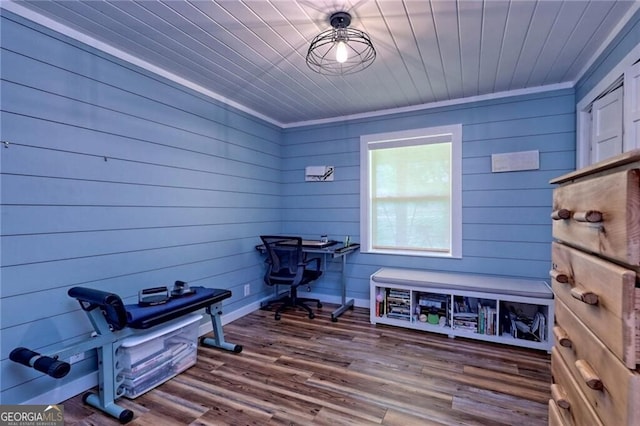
(595, 270)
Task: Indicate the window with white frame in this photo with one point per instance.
(411, 192)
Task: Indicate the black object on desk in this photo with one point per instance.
(308, 244)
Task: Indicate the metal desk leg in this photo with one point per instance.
(345, 304)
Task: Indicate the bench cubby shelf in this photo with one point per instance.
(510, 311)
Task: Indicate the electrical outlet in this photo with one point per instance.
(76, 358)
(247, 289)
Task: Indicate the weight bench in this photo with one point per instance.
(113, 321)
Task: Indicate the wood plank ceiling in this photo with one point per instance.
(252, 52)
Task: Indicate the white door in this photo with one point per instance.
(632, 108)
(606, 130)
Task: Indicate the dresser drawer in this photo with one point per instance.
(610, 388)
(601, 215)
(555, 416)
(573, 409)
(558, 416)
(603, 295)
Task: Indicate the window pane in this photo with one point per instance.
(410, 197)
(412, 224)
(411, 192)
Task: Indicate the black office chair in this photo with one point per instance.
(287, 265)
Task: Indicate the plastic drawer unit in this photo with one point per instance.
(152, 358)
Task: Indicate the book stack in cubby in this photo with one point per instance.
(398, 303)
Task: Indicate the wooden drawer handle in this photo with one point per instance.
(584, 296)
(561, 214)
(560, 396)
(559, 276)
(589, 375)
(562, 337)
(591, 216)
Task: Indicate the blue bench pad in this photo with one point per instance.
(141, 317)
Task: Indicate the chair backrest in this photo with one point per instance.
(285, 259)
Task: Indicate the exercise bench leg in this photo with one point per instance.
(109, 382)
(114, 410)
(218, 341)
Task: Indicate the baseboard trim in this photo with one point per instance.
(64, 392)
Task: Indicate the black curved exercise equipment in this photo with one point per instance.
(46, 364)
(113, 321)
(110, 304)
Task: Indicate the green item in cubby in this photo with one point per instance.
(433, 318)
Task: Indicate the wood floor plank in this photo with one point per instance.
(172, 408)
(231, 415)
(495, 412)
(495, 385)
(498, 399)
(525, 382)
(307, 395)
(396, 418)
(298, 371)
(327, 416)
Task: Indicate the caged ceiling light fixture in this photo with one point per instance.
(340, 50)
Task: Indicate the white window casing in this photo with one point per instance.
(412, 205)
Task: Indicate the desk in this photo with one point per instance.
(335, 251)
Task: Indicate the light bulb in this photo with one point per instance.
(341, 52)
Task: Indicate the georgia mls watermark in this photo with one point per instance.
(31, 415)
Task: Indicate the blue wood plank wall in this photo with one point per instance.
(115, 179)
(625, 41)
(506, 226)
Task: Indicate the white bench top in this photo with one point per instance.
(465, 282)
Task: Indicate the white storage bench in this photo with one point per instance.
(496, 309)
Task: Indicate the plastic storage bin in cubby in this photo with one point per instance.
(151, 358)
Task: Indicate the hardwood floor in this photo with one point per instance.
(298, 371)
